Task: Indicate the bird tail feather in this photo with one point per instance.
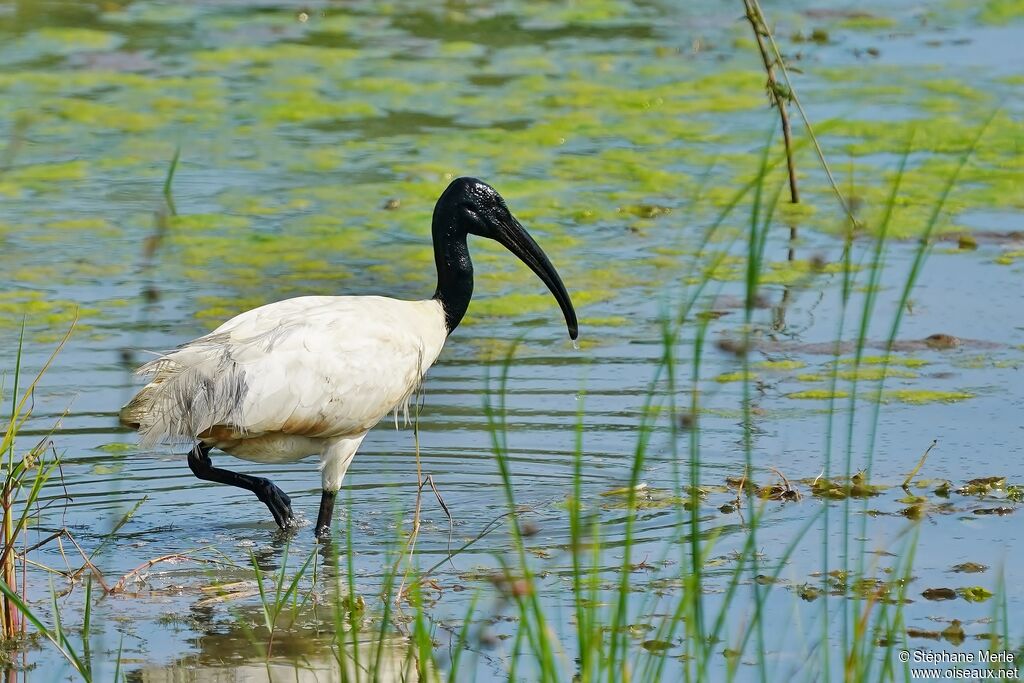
(192, 389)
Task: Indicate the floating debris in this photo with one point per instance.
(838, 489)
(994, 511)
(941, 341)
(656, 645)
(939, 594)
(974, 593)
(981, 486)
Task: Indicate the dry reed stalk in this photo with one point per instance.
(779, 93)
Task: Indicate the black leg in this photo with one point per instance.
(323, 520)
(274, 498)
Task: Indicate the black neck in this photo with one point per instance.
(454, 271)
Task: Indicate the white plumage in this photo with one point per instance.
(298, 377)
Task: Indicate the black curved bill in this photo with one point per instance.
(515, 238)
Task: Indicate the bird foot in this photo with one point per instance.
(278, 502)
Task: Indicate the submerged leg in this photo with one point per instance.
(334, 461)
(323, 520)
(274, 498)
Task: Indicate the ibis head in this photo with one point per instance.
(472, 207)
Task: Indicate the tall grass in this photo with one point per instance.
(600, 637)
(25, 473)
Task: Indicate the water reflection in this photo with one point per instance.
(303, 650)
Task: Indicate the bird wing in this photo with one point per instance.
(311, 366)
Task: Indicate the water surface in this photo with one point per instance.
(313, 141)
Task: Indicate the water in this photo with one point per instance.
(313, 141)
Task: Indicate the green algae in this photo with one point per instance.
(864, 374)
(886, 360)
(797, 270)
(41, 313)
(867, 22)
(99, 115)
(605, 321)
(157, 14)
(1001, 11)
(923, 396)
(855, 486)
(511, 305)
(117, 448)
(909, 396)
(245, 205)
(981, 361)
(780, 365)
(201, 222)
(249, 55)
(818, 394)
(727, 377)
(592, 12)
(94, 225)
(302, 106)
(974, 593)
(215, 310)
(48, 177)
(1009, 257)
(54, 40)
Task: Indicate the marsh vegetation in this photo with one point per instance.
(787, 446)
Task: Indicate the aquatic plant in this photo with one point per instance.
(24, 476)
